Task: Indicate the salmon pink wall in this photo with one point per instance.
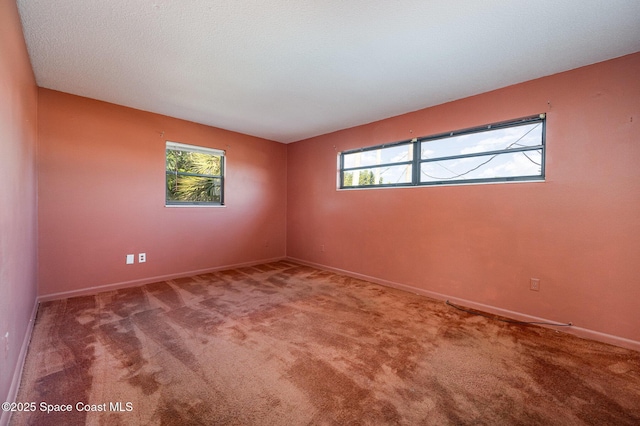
(102, 195)
(578, 232)
(18, 245)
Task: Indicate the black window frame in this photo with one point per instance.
(176, 146)
(416, 162)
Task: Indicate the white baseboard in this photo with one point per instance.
(149, 280)
(5, 416)
(574, 330)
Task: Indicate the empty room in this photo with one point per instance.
(320, 213)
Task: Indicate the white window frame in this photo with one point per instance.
(176, 146)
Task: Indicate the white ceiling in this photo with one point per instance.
(287, 70)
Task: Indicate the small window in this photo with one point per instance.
(501, 152)
(195, 175)
(386, 165)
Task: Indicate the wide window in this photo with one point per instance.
(195, 175)
(499, 152)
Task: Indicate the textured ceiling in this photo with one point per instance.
(287, 70)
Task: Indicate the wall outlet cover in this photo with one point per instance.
(534, 285)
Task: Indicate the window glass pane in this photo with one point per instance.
(526, 163)
(490, 140)
(394, 154)
(182, 188)
(388, 175)
(194, 162)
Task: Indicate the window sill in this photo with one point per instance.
(541, 180)
(181, 206)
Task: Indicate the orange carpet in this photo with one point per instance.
(284, 344)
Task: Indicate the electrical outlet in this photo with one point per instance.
(142, 257)
(322, 248)
(534, 285)
(130, 259)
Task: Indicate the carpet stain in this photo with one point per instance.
(70, 377)
(204, 321)
(337, 397)
(126, 302)
(166, 294)
(122, 342)
(154, 325)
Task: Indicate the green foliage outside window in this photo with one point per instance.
(193, 177)
(366, 177)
